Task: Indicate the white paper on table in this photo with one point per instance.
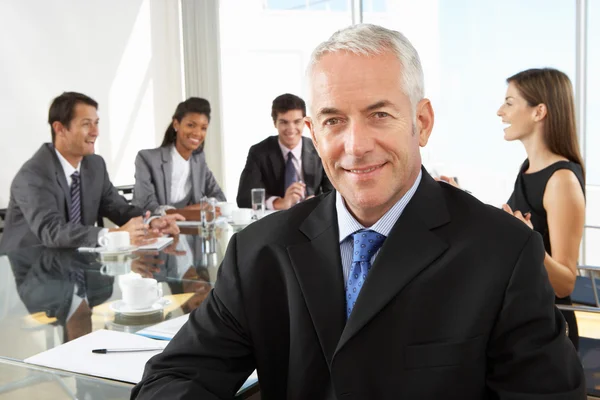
(188, 223)
(76, 355)
(160, 243)
(165, 330)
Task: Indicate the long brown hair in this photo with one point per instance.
(554, 89)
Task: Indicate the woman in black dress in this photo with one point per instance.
(549, 193)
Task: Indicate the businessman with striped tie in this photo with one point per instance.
(59, 193)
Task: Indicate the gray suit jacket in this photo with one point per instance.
(153, 170)
(38, 209)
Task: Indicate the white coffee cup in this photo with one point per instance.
(115, 240)
(141, 293)
(226, 208)
(242, 216)
(114, 268)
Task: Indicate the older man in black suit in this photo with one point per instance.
(394, 287)
(287, 166)
(59, 193)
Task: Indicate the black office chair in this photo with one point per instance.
(127, 192)
(3, 218)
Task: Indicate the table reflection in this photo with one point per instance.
(54, 296)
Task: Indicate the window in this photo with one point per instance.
(269, 59)
(468, 48)
(294, 5)
(592, 132)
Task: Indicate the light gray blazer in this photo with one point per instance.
(38, 209)
(153, 170)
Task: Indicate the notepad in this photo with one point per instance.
(165, 330)
(76, 355)
(160, 243)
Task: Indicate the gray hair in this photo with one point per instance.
(369, 40)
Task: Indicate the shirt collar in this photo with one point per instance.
(66, 166)
(176, 156)
(296, 151)
(347, 224)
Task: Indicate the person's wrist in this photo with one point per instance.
(278, 203)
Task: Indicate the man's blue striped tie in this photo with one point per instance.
(75, 210)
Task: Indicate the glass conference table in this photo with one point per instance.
(41, 307)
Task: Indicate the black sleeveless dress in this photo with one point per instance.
(528, 196)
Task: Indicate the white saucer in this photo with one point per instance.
(123, 250)
(119, 306)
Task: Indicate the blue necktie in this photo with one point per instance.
(290, 172)
(366, 243)
(75, 210)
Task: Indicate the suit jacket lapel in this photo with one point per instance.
(318, 267)
(195, 175)
(61, 179)
(309, 165)
(277, 163)
(409, 249)
(88, 177)
(167, 170)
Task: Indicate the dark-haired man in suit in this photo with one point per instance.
(59, 193)
(287, 165)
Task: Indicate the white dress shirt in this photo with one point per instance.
(181, 178)
(296, 160)
(67, 167)
(347, 224)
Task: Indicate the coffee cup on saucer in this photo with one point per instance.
(115, 241)
(141, 293)
(114, 268)
(242, 216)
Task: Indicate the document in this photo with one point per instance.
(76, 355)
(165, 330)
(160, 243)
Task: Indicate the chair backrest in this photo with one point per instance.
(2, 218)
(127, 192)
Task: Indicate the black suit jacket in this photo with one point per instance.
(265, 168)
(38, 209)
(457, 306)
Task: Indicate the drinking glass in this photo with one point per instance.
(258, 203)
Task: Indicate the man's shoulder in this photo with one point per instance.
(95, 160)
(475, 216)
(264, 145)
(41, 162)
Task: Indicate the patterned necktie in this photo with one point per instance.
(290, 172)
(75, 210)
(366, 243)
(77, 276)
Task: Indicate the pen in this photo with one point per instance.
(104, 351)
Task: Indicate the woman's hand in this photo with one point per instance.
(526, 219)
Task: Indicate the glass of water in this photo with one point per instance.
(208, 210)
(258, 203)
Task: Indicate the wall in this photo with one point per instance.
(124, 54)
